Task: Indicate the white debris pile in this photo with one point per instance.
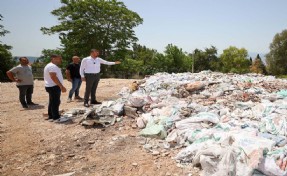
(229, 124)
(106, 114)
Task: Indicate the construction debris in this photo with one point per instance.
(229, 124)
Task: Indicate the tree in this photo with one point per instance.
(5, 55)
(176, 58)
(46, 54)
(206, 60)
(159, 63)
(105, 25)
(276, 59)
(235, 60)
(145, 55)
(258, 66)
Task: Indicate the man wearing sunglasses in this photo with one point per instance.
(90, 72)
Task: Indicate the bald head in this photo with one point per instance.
(76, 59)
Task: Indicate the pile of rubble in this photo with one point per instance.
(228, 124)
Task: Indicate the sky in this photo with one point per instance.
(189, 24)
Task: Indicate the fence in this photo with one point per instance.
(38, 72)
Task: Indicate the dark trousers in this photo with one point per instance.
(25, 94)
(54, 101)
(76, 84)
(92, 81)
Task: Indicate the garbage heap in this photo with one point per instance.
(228, 124)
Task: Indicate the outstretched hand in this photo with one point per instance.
(117, 62)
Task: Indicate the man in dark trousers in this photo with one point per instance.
(90, 72)
(53, 79)
(73, 75)
(24, 80)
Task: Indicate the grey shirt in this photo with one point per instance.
(23, 73)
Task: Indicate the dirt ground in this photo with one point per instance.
(32, 146)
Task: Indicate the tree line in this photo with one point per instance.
(109, 26)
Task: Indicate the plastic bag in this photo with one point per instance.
(154, 131)
(282, 93)
(269, 167)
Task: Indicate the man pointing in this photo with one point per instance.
(90, 72)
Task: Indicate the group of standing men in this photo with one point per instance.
(88, 70)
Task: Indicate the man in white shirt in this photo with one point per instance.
(54, 86)
(90, 72)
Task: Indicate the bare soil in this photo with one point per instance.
(32, 146)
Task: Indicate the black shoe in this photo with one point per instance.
(25, 106)
(86, 105)
(32, 104)
(95, 102)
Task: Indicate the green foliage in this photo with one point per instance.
(206, 60)
(282, 76)
(101, 24)
(6, 59)
(3, 31)
(176, 59)
(258, 66)
(45, 57)
(277, 57)
(159, 63)
(146, 56)
(235, 60)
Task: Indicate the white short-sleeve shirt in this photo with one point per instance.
(47, 78)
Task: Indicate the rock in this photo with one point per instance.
(42, 152)
(135, 164)
(114, 138)
(134, 126)
(71, 155)
(147, 147)
(132, 135)
(52, 157)
(134, 86)
(67, 174)
(131, 112)
(91, 142)
(88, 123)
(168, 174)
(141, 140)
(140, 123)
(155, 153)
(194, 86)
(165, 154)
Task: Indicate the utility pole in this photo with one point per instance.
(192, 69)
(193, 60)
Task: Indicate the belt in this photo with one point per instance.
(91, 73)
